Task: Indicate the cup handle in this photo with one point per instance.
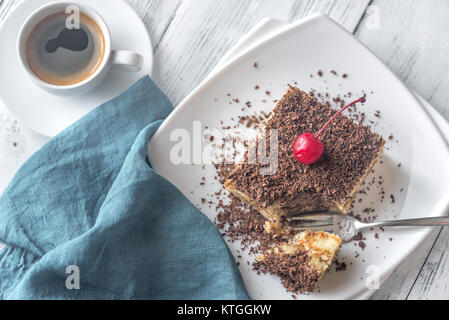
(127, 61)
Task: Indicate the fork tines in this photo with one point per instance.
(310, 221)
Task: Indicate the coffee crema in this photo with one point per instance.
(62, 56)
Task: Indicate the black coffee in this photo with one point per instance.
(63, 56)
(70, 39)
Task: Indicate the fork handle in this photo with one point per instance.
(421, 222)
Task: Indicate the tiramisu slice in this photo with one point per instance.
(350, 152)
(301, 262)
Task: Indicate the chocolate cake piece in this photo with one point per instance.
(301, 262)
(350, 152)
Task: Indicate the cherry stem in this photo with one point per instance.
(361, 100)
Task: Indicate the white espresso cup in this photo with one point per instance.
(64, 68)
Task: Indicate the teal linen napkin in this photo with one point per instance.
(89, 202)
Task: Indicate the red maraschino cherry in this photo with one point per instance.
(307, 148)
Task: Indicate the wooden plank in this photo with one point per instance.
(433, 280)
(157, 15)
(398, 285)
(203, 31)
(413, 41)
(420, 60)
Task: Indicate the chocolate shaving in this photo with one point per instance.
(294, 270)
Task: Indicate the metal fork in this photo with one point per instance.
(347, 227)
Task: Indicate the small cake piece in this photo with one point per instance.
(301, 262)
(350, 152)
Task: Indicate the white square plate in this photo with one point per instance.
(292, 54)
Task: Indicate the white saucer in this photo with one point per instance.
(48, 114)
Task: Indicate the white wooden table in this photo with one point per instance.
(190, 36)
